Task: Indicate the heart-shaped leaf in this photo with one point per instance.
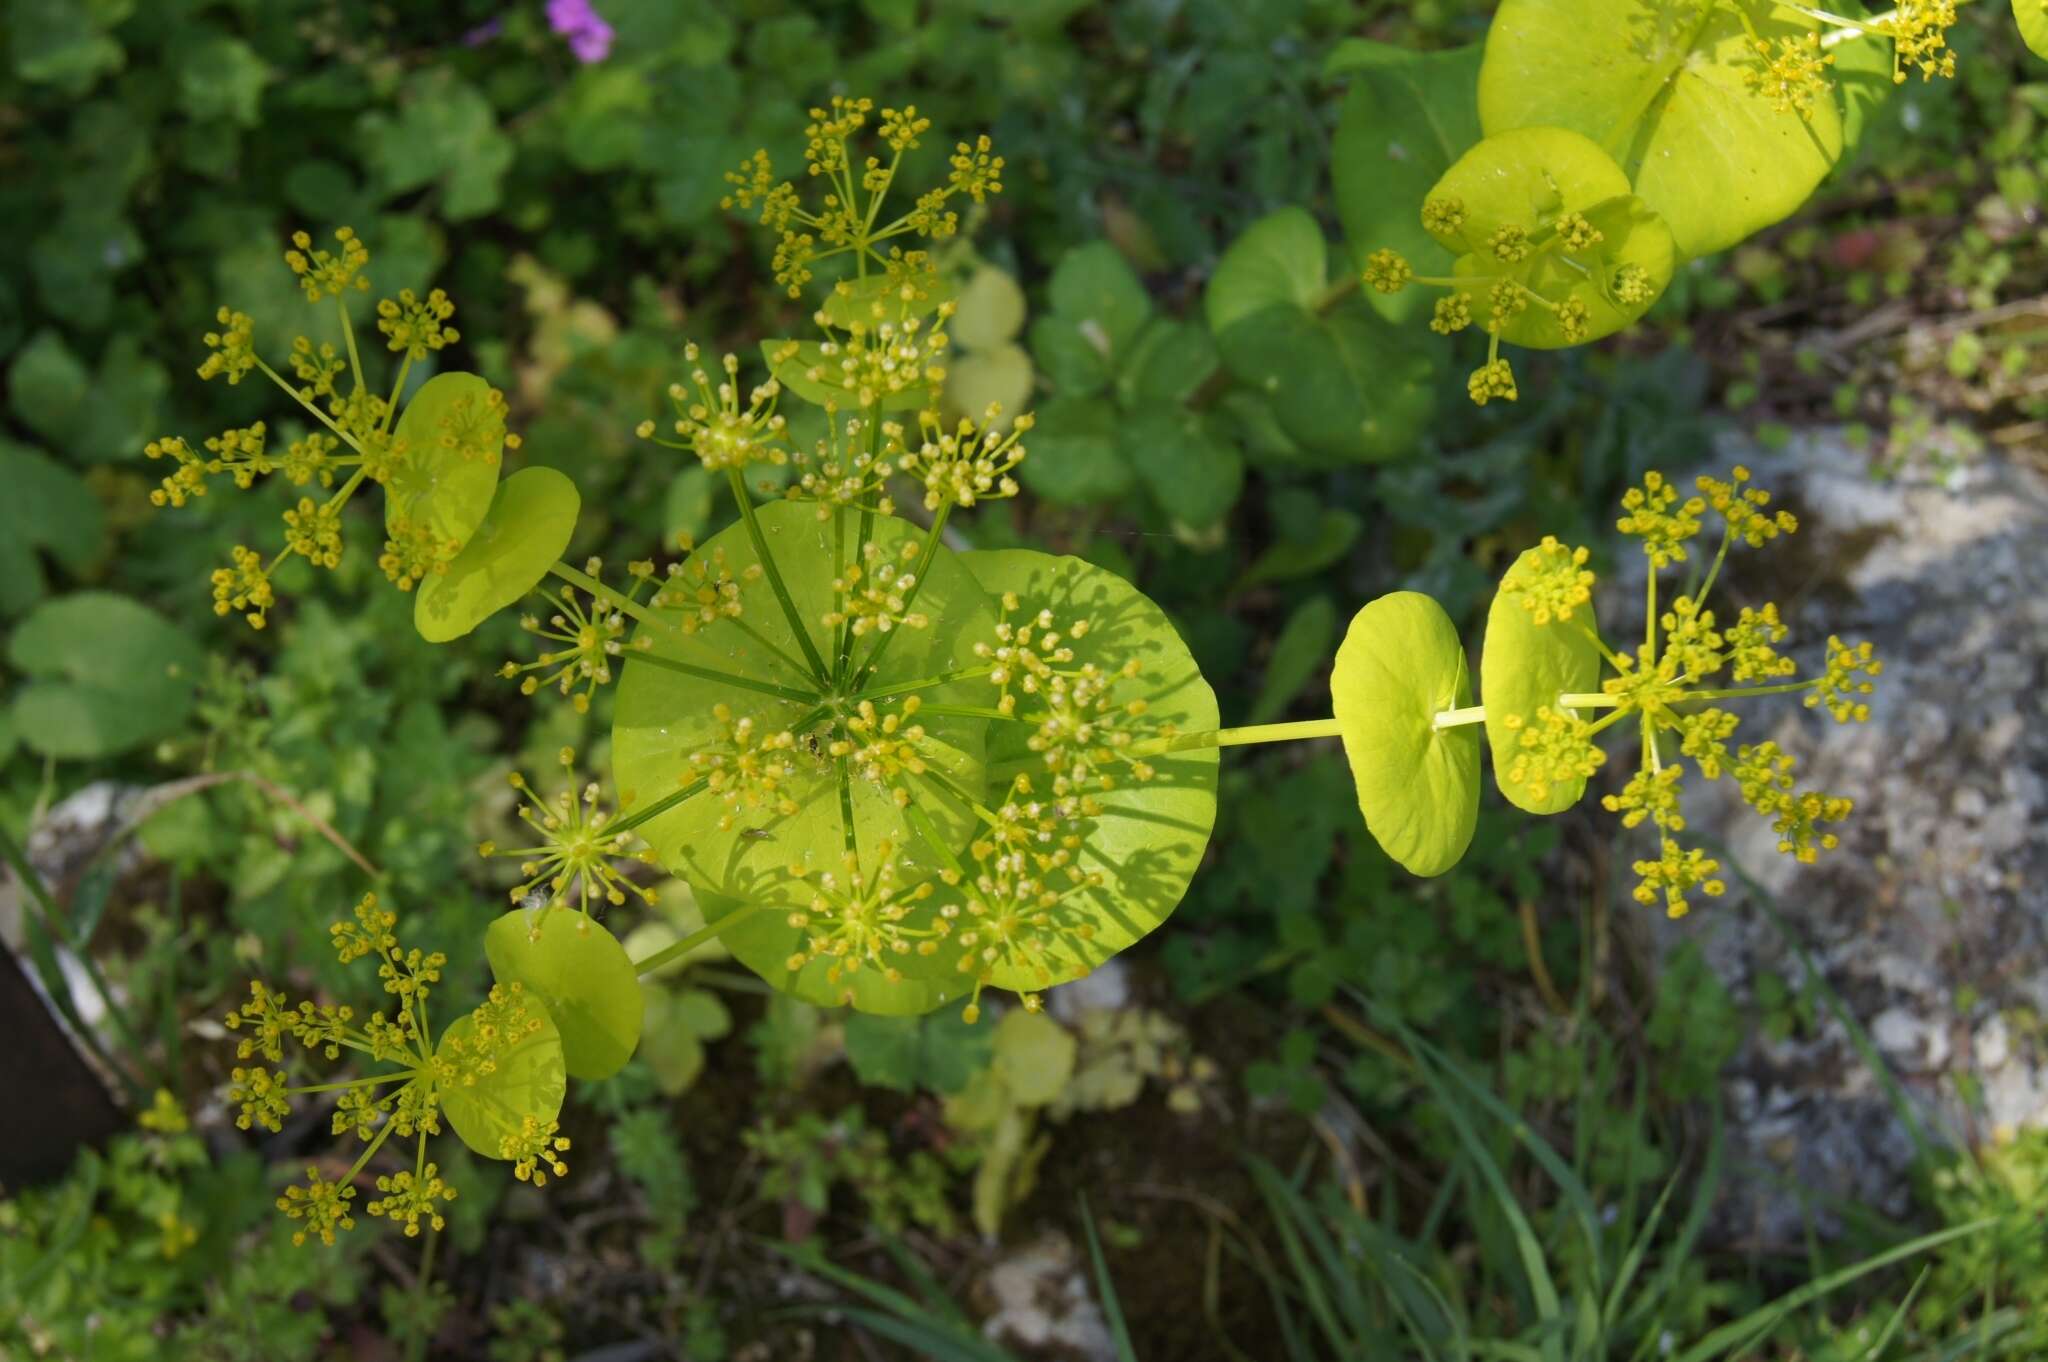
(580, 971)
(1401, 665)
(1279, 259)
(524, 533)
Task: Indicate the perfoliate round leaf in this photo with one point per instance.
(1669, 92)
(2032, 17)
(1148, 838)
(528, 1079)
(878, 298)
(529, 524)
(1524, 182)
(454, 437)
(775, 847)
(1524, 667)
(1401, 665)
(582, 973)
(990, 311)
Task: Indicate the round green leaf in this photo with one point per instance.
(581, 972)
(1279, 259)
(106, 674)
(1150, 836)
(1525, 666)
(665, 714)
(529, 1081)
(453, 442)
(1401, 665)
(2032, 17)
(990, 311)
(529, 524)
(1347, 386)
(1000, 377)
(1525, 180)
(878, 298)
(1665, 89)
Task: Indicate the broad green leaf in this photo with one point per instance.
(2032, 17)
(990, 310)
(65, 43)
(1667, 90)
(804, 373)
(877, 299)
(1170, 362)
(529, 524)
(445, 132)
(1525, 180)
(1096, 291)
(529, 1081)
(1524, 667)
(1298, 654)
(1193, 475)
(939, 1052)
(47, 507)
(1346, 386)
(1293, 556)
(736, 857)
(47, 386)
(1150, 836)
(1077, 361)
(1279, 259)
(1034, 1056)
(454, 444)
(106, 674)
(1407, 117)
(220, 78)
(581, 972)
(1401, 665)
(1074, 455)
(980, 379)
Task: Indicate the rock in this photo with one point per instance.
(1043, 1301)
(1939, 890)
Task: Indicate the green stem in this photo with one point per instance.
(1238, 737)
(796, 624)
(788, 659)
(846, 810)
(348, 330)
(711, 674)
(397, 387)
(1743, 691)
(1587, 700)
(1720, 557)
(670, 954)
(627, 822)
(1458, 718)
(974, 712)
(322, 417)
(406, 1075)
(618, 599)
(843, 649)
(924, 566)
(383, 1134)
(894, 689)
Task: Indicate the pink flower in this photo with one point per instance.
(590, 37)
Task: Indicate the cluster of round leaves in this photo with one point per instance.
(1403, 698)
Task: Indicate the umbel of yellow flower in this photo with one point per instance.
(572, 865)
(406, 1096)
(1669, 692)
(355, 437)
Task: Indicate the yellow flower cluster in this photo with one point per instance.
(862, 919)
(573, 863)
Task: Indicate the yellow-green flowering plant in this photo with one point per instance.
(896, 774)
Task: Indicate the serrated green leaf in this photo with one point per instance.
(444, 132)
(1401, 665)
(1346, 386)
(1074, 456)
(520, 538)
(1169, 363)
(1193, 475)
(580, 971)
(1095, 290)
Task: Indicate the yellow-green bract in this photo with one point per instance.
(2032, 17)
(528, 527)
(1524, 667)
(1666, 90)
(580, 971)
(528, 1081)
(444, 484)
(1401, 665)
